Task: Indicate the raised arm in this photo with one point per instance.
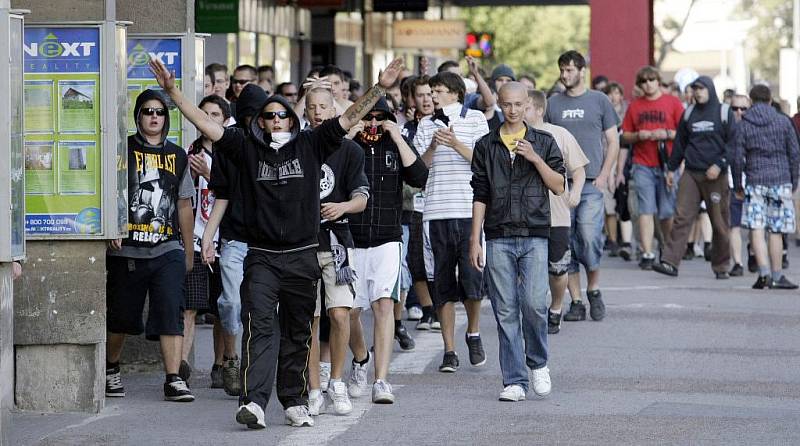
(364, 104)
(166, 80)
(483, 88)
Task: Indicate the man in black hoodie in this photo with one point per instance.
(703, 140)
(280, 166)
(151, 259)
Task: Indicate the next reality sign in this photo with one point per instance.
(63, 153)
(140, 51)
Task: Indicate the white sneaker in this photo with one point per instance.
(315, 402)
(513, 392)
(414, 313)
(541, 381)
(382, 392)
(357, 383)
(298, 416)
(252, 415)
(338, 399)
(324, 375)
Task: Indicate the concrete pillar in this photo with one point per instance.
(6, 351)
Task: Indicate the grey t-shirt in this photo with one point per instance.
(586, 116)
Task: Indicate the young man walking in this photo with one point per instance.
(446, 140)
(590, 117)
(513, 168)
(280, 167)
(151, 260)
(766, 149)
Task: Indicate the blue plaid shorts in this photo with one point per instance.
(769, 207)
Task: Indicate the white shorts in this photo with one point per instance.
(378, 272)
(335, 295)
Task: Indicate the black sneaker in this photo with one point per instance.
(752, 264)
(665, 268)
(689, 254)
(406, 342)
(597, 309)
(477, 356)
(737, 270)
(762, 282)
(185, 371)
(577, 312)
(782, 284)
(425, 323)
(449, 363)
(722, 275)
(707, 251)
(646, 264)
(553, 322)
(177, 390)
(230, 377)
(114, 387)
(216, 377)
(625, 252)
(612, 249)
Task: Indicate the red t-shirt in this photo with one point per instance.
(644, 114)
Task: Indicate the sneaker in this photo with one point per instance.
(577, 312)
(114, 387)
(665, 268)
(625, 252)
(436, 325)
(612, 249)
(403, 338)
(231, 381)
(425, 322)
(382, 392)
(315, 402)
(252, 415)
(217, 381)
(298, 416)
(689, 254)
(449, 363)
(324, 375)
(553, 322)
(737, 270)
(512, 393)
(477, 357)
(597, 309)
(337, 398)
(414, 313)
(541, 381)
(177, 390)
(647, 263)
(782, 284)
(185, 371)
(357, 384)
(762, 282)
(752, 264)
(707, 251)
(721, 275)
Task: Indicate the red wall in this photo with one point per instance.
(621, 39)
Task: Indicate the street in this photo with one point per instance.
(691, 360)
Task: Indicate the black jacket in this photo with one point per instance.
(284, 183)
(516, 198)
(380, 221)
(703, 139)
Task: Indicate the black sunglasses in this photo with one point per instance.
(376, 116)
(241, 81)
(150, 111)
(739, 108)
(271, 115)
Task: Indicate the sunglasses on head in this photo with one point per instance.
(242, 81)
(739, 108)
(376, 116)
(150, 111)
(271, 115)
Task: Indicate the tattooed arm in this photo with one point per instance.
(364, 104)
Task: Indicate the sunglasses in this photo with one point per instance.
(272, 115)
(150, 111)
(644, 81)
(242, 81)
(739, 108)
(376, 116)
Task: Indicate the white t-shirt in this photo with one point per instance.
(448, 193)
(203, 204)
(573, 159)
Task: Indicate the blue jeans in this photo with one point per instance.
(405, 274)
(586, 239)
(231, 260)
(516, 270)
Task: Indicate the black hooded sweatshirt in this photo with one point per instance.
(225, 178)
(702, 139)
(284, 183)
(158, 176)
(380, 222)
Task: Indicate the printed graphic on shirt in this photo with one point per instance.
(152, 198)
(577, 113)
(652, 116)
(703, 126)
(327, 182)
(283, 171)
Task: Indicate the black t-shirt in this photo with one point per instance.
(342, 175)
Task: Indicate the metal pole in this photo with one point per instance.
(796, 46)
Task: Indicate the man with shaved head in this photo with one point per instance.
(513, 167)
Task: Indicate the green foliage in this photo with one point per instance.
(772, 32)
(530, 38)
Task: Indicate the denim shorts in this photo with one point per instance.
(652, 194)
(231, 261)
(586, 239)
(770, 208)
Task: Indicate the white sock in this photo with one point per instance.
(314, 393)
(473, 335)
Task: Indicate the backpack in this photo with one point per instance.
(723, 113)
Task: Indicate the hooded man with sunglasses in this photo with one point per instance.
(281, 167)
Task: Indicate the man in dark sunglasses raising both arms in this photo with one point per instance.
(280, 167)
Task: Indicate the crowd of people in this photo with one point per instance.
(301, 206)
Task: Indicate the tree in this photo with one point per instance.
(672, 28)
(530, 38)
(772, 32)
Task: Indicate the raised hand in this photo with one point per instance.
(391, 72)
(164, 77)
(472, 64)
(424, 66)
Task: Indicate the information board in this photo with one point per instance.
(63, 147)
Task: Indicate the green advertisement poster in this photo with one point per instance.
(62, 131)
